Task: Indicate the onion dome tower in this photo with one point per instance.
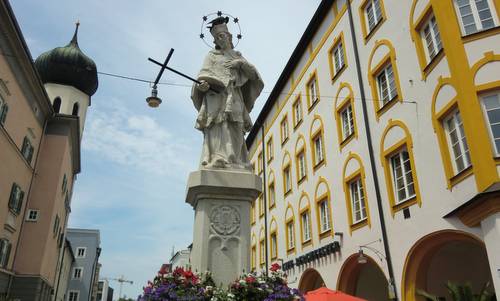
(69, 77)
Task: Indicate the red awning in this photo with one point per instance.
(325, 294)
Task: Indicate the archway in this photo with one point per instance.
(365, 280)
(444, 256)
(310, 281)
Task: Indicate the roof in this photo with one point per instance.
(322, 10)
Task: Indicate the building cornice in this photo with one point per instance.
(302, 46)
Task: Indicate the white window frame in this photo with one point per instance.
(74, 271)
(460, 145)
(284, 130)
(312, 87)
(403, 177)
(270, 149)
(287, 178)
(496, 93)
(318, 149)
(274, 244)
(338, 57)
(262, 251)
(388, 84)
(358, 203)
(373, 7)
(324, 216)
(301, 164)
(78, 252)
(431, 37)
(297, 112)
(272, 194)
(29, 217)
(73, 292)
(347, 119)
(305, 219)
(290, 231)
(475, 15)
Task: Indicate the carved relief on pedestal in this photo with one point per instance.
(225, 220)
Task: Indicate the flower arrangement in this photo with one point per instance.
(183, 284)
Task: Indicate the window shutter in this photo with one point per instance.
(25, 145)
(20, 202)
(12, 198)
(2, 252)
(7, 253)
(30, 154)
(3, 113)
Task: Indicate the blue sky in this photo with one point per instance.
(136, 160)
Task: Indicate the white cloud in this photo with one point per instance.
(136, 140)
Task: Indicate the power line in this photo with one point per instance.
(142, 80)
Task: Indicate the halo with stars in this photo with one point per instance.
(204, 31)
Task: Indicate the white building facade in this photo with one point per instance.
(381, 137)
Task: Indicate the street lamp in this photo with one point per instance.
(362, 259)
(154, 101)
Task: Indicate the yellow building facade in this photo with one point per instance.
(379, 149)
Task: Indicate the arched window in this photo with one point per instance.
(75, 109)
(57, 104)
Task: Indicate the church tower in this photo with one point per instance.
(70, 79)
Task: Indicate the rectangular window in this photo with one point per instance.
(262, 252)
(312, 92)
(73, 296)
(272, 195)
(254, 258)
(27, 150)
(386, 85)
(357, 201)
(274, 246)
(301, 165)
(402, 176)
(64, 184)
(306, 226)
(5, 247)
(284, 130)
(347, 122)
(16, 199)
(338, 57)
(4, 109)
(290, 233)
(56, 225)
(260, 163)
(430, 34)
(318, 149)
(252, 213)
(297, 112)
(491, 106)
(324, 215)
(475, 15)
(270, 149)
(77, 273)
(457, 142)
(32, 215)
(80, 252)
(373, 12)
(287, 179)
(261, 206)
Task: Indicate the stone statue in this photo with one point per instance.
(229, 86)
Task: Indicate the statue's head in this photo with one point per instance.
(223, 39)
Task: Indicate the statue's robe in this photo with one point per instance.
(223, 116)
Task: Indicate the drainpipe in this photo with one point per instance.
(264, 194)
(372, 158)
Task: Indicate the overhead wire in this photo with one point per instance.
(142, 80)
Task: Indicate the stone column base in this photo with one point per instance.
(221, 241)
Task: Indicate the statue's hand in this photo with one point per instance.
(236, 63)
(203, 86)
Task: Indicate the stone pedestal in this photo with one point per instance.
(221, 241)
